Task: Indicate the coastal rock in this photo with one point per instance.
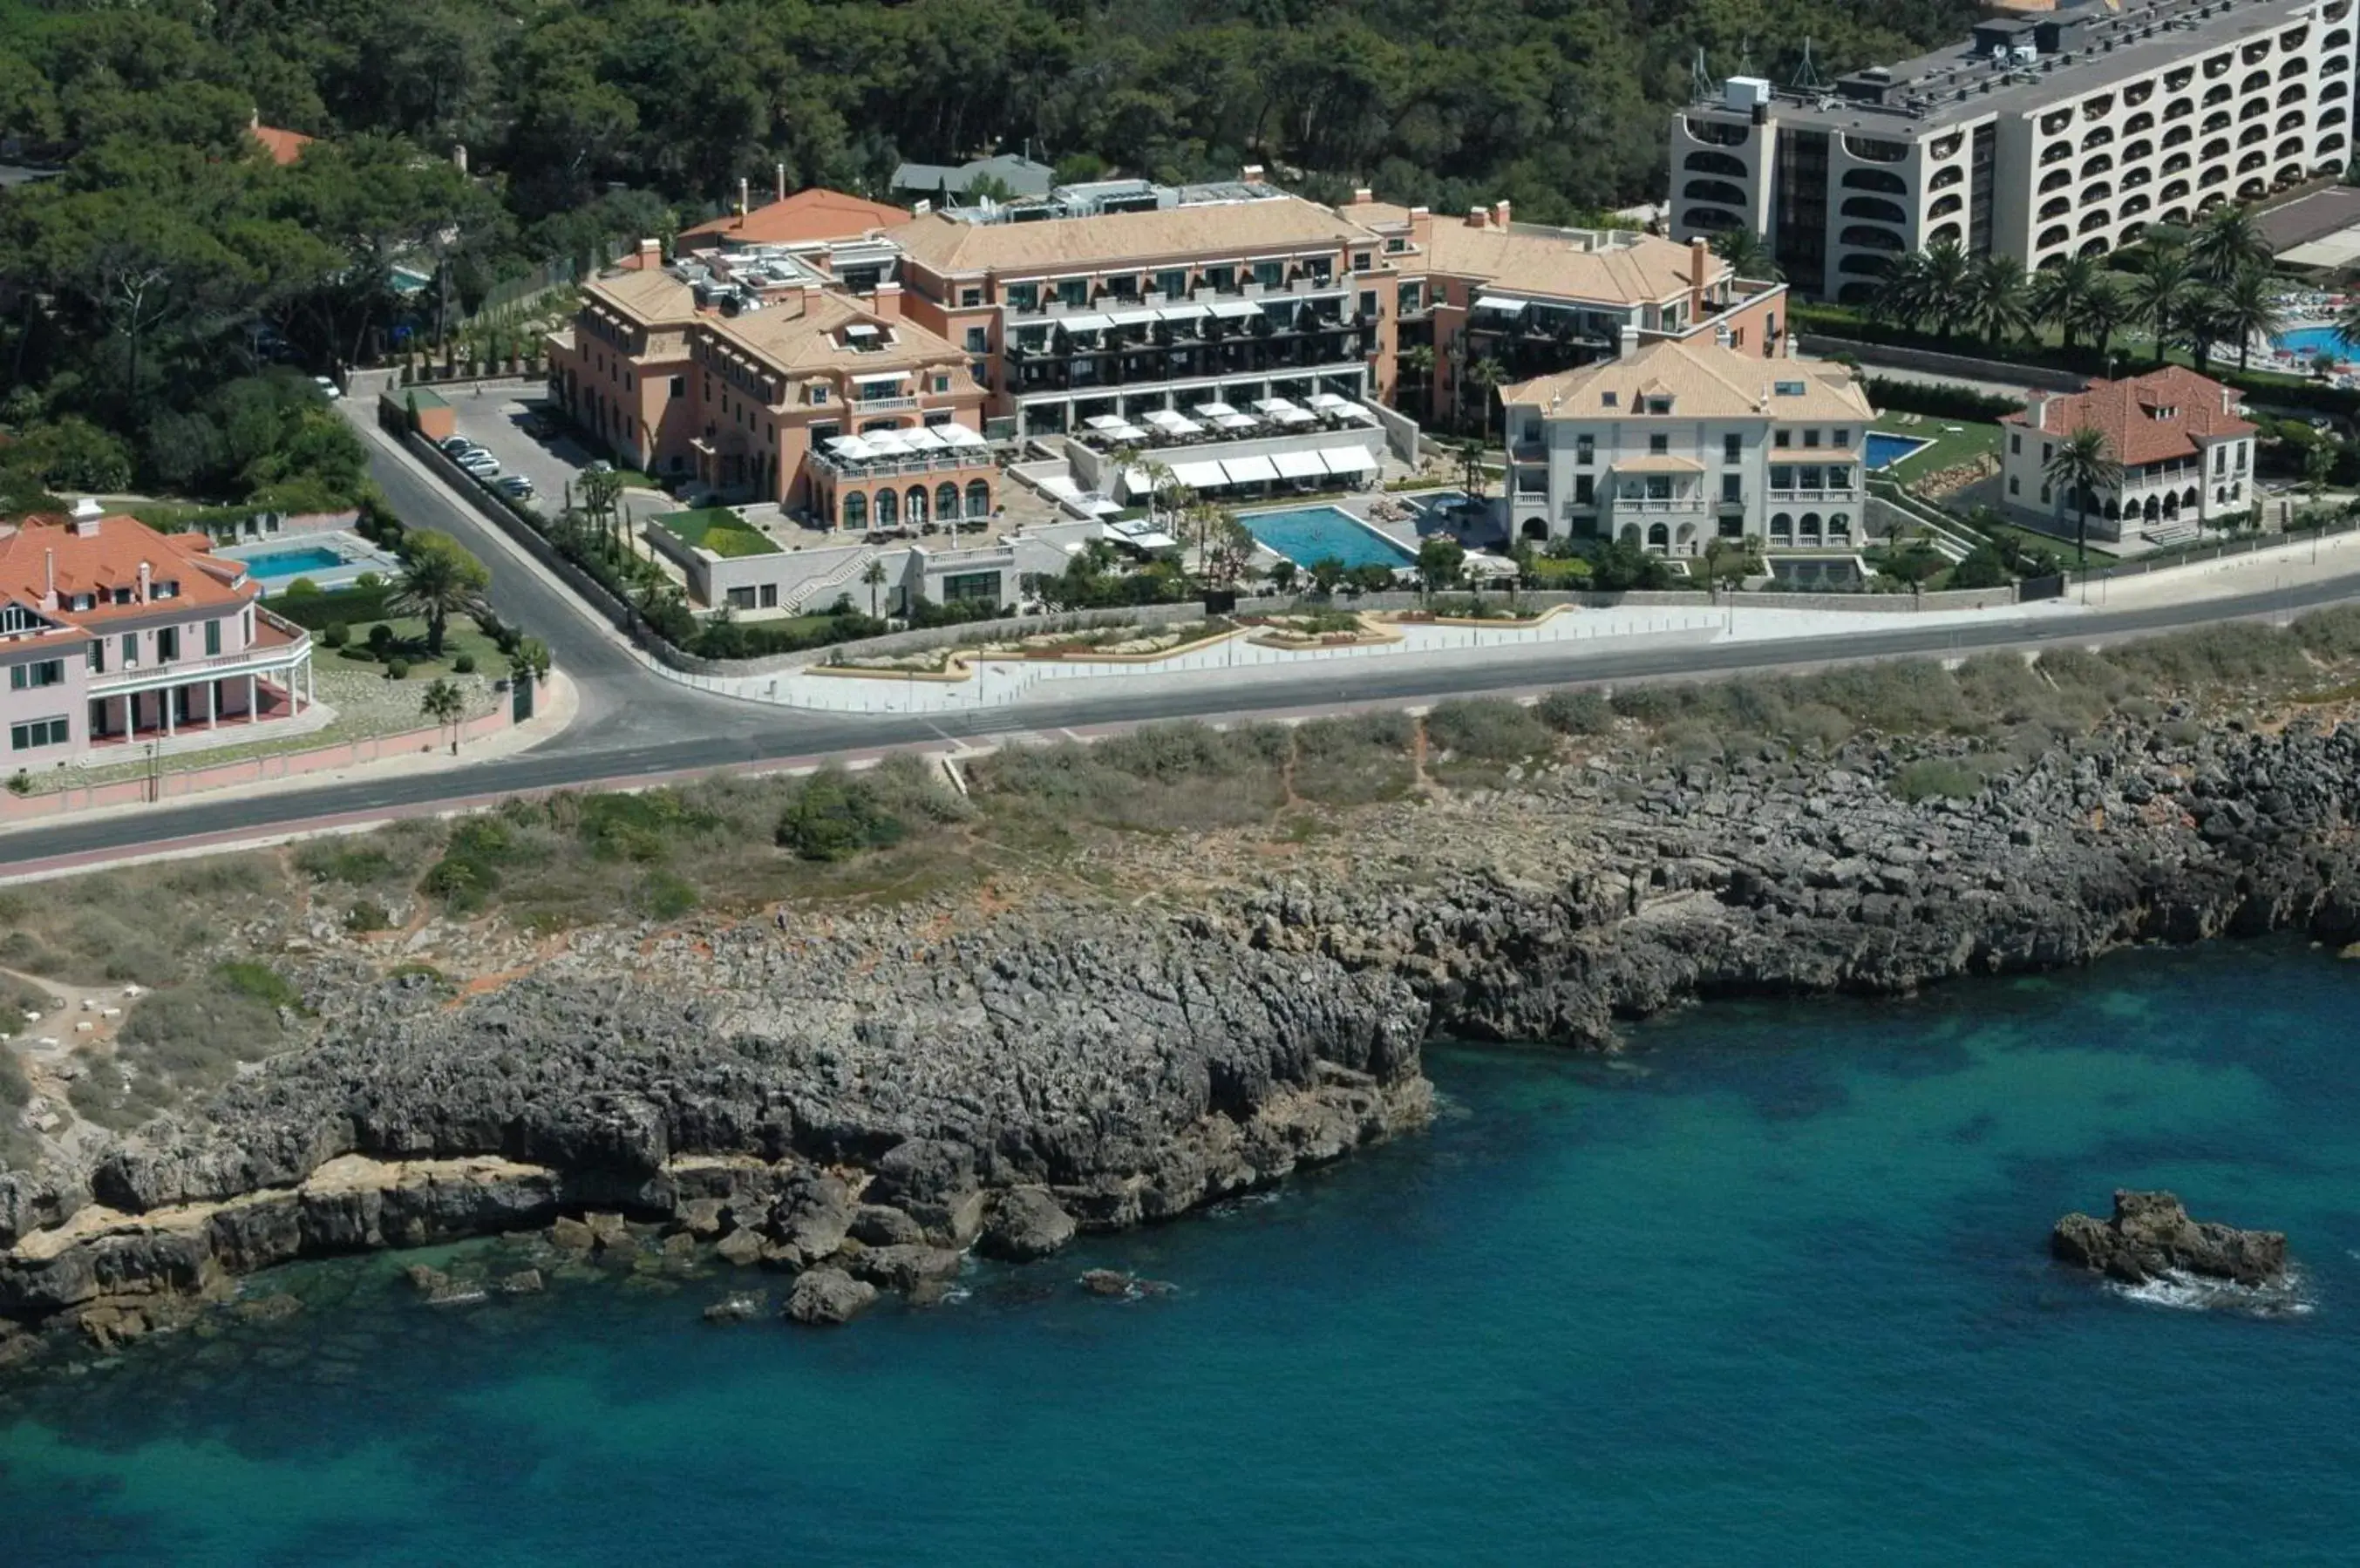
(701, 1218)
(572, 1235)
(2150, 1237)
(742, 1248)
(876, 1225)
(523, 1282)
(1026, 1224)
(1128, 1286)
(824, 1296)
(427, 1281)
(742, 1308)
(900, 1267)
(810, 1220)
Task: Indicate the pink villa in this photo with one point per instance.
(113, 633)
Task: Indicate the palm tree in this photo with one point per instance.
(2060, 296)
(2161, 297)
(873, 577)
(1747, 256)
(2105, 312)
(1418, 361)
(1930, 287)
(1159, 480)
(1484, 376)
(1994, 299)
(2347, 323)
(529, 661)
(2084, 465)
(2227, 243)
(439, 579)
(443, 702)
(2248, 307)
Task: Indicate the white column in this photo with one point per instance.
(307, 682)
(251, 689)
(164, 699)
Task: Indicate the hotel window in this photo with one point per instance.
(213, 638)
(1841, 437)
(1659, 405)
(1025, 296)
(1369, 303)
(40, 732)
(1585, 490)
(1411, 297)
(1840, 477)
(2014, 486)
(98, 656)
(770, 596)
(1811, 438)
(1781, 438)
(1223, 280)
(1395, 245)
(819, 394)
(1731, 484)
(168, 644)
(1659, 445)
(941, 383)
(1270, 274)
(46, 672)
(971, 297)
(680, 386)
(978, 340)
(1782, 478)
(2044, 494)
(1732, 448)
(1362, 261)
(1123, 288)
(1172, 283)
(130, 650)
(1585, 450)
(1073, 290)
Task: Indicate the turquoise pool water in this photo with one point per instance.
(1309, 534)
(1770, 1287)
(291, 563)
(2309, 342)
(1882, 449)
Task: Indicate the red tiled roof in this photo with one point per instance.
(2146, 418)
(805, 217)
(100, 562)
(284, 146)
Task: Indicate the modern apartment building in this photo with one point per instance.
(111, 632)
(1682, 441)
(760, 379)
(2040, 137)
(2185, 452)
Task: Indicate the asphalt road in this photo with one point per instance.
(635, 724)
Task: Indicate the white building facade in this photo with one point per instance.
(1678, 443)
(2185, 450)
(2039, 138)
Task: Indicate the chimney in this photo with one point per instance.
(85, 517)
(1499, 210)
(920, 207)
(783, 181)
(459, 156)
(143, 581)
(742, 195)
(254, 118)
(1363, 195)
(1251, 174)
(887, 302)
(651, 254)
(50, 578)
(1421, 226)
(1628, 344)
(1699, 267)
(2035, 408)
(1476, 217)
(2229, 401)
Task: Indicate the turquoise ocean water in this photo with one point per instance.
(1772, 1289)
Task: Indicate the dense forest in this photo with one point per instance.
(171, 258)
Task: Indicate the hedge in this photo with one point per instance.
(353, 606)
(1943, 401)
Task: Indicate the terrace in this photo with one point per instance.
(717, 529)
(891, 454)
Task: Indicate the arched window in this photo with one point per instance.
(2097, 220)
(1658, 537)
(2178, 135)
(2253, 134)
(2057, 206)
(1839, 525)
(1858, 293)
(1809, 532)
(2174, 191)
(2096, 190)
(1865, 266)
(1711, 219)
(2137, 122)
(855, 510)
(2056, 179)
(2291, 121)
(978, 498)
(2134, 177)
(2097, 138)
(1869, 238)
(2178, 110)
(2057, 235)
(1942, 232)
(2133, 205)
(915, 508)
(1944, 206)
(1715, 163)
(2097, 166)
(946, 502)
(1630, 533)
(2217, 148)
(1533, 528)
(1874, 207)
(1945, 178)
(2252, 160)
(889, 509)
(1782, 528)
(2290, 147)
(1879, 179)
(2095, 247)
(1719, 191)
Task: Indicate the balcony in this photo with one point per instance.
(1140, 307)
(278, 645)
(976, 460)
(883, 405)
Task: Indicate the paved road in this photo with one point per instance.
(651, 728)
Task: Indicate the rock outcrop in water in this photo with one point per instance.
(870, 1098)
(2150, 1237)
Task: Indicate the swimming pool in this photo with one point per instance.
(2309, 343)
(1308, 534)
(1884, 449)
(276, 564)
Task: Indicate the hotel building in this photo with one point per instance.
(2040, 137)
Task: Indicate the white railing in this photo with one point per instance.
(794, 601)
(178, 672)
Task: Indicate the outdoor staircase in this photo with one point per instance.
(850, 568)
(2166, 534)
(1952, 540)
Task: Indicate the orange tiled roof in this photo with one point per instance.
(805, 217)
(99, 564)
(284, 146)
(2146, 418)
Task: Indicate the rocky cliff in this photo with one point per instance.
(888, 1092)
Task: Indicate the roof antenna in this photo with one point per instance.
(1699, 79)
(1807, 75)
(1745, 55)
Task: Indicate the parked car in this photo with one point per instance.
(514, 485)
(456, 446)
(483, 465)
(328, 387)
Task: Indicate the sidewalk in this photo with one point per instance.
(560, 702)
(2299, 561)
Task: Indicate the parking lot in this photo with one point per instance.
(493, 417)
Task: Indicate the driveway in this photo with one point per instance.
(494, 416)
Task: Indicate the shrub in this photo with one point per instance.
(368, 581)
(2234, 651)
(381, 637)
(334, 635)
(302, 588)
(396, 669)
(260, 981)
(1576, 713)
(464, 664)
(2331, 634)
(20, 782)
(663, 895)
(1488, 728)
(1356, 760)
(368, 915)
(1938, 778)
(832, 817)
(1648, 704)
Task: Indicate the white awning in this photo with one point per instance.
(1236, 309)
(1248, 470)
(1213, 410)
(1173, 423)
(852, 448)
(1327, 402)
(1099, 506)
(1135, 482)
(1063, 488)
(888, 443)
(1299, 464)
(1132, 317)
(959, 435)
(1155, 540)
(923, 440)
(1104, 421)
(1503, 303)
(1184, 312)
(1086, 323)
(1237, 421)
(1347, 459)
(1199, 475)
(1121, 431)
(1274, 407)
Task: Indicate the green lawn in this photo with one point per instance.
(1552, 573)
(459, 637)
(718, 529)
(2062, 546)
(1950, 448)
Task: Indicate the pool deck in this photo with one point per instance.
(358, 556)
